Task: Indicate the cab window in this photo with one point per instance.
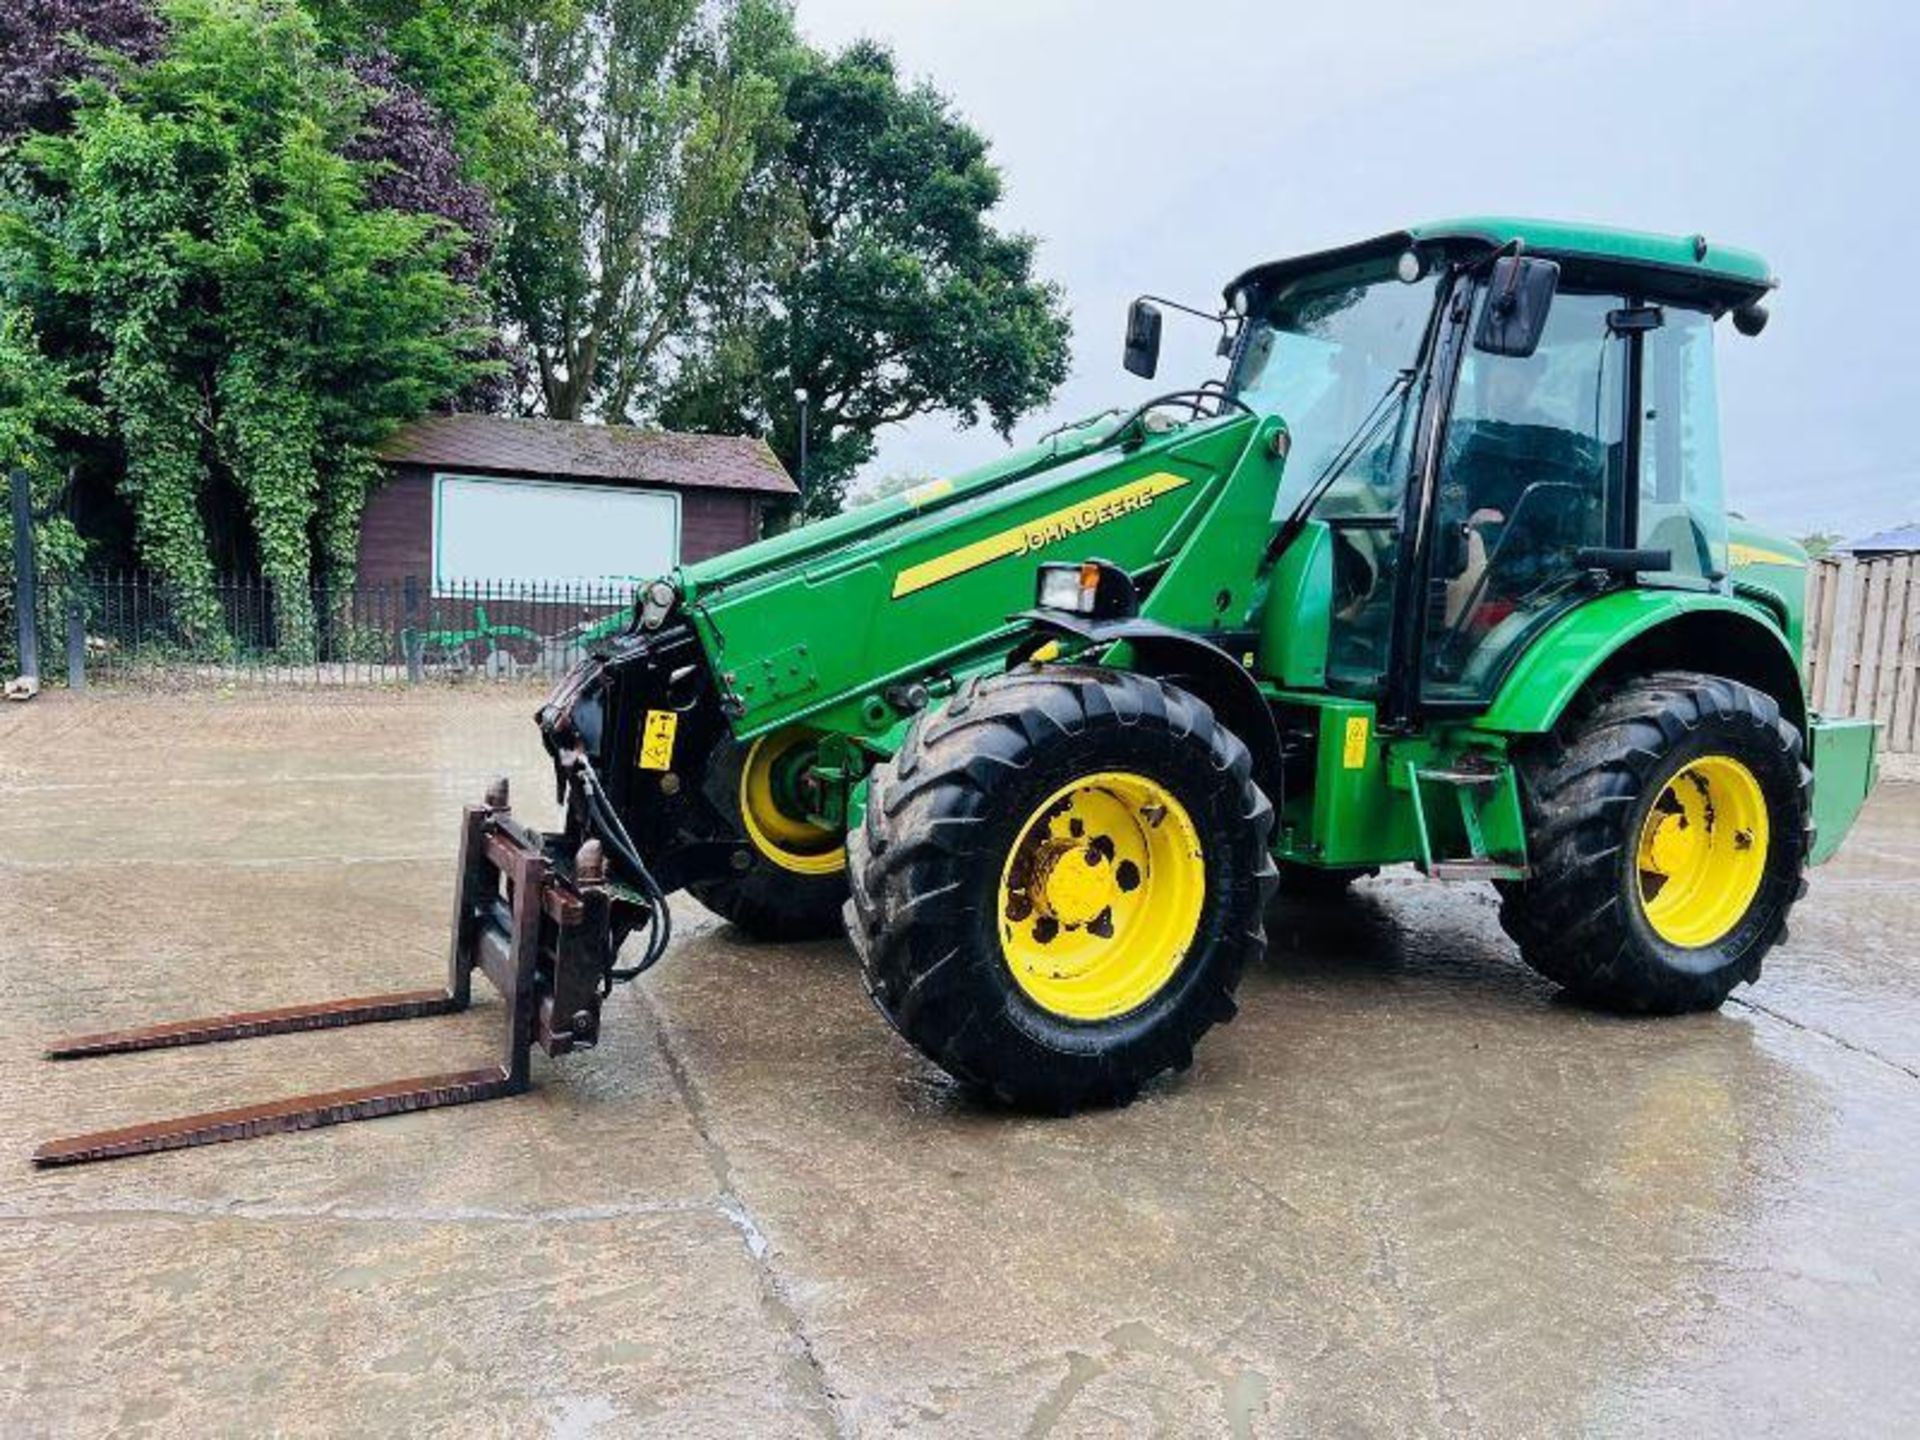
(1335, 355)
(1682, 508)
(1531, 472)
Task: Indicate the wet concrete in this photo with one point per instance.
(1408, 1191)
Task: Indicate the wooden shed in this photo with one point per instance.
(484, 498)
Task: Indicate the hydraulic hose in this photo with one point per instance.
(613, 833)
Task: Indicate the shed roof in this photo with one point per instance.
(573, 449)
(1901, 540)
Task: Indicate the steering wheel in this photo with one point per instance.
(1572, 498)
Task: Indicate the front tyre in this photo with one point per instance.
(1669, 831)
(1059, 881)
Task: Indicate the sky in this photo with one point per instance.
(1158, 148)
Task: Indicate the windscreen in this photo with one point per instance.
(1322, 355)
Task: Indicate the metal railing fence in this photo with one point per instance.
(114, 628)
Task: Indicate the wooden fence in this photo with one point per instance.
(1863, 644)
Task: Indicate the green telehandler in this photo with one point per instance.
(1440, 571)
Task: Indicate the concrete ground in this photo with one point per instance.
(1408, 1191)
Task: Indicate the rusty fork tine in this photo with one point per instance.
(552, 993)
(245, 1025)
(298, 1112)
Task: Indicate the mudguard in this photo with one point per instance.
(1670, 628)
(1161, 650)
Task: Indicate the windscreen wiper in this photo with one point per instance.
(1356, 444)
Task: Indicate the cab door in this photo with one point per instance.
(1533, 469)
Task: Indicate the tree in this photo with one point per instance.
(462, 58)
(661, 111)
(47, 45)
(39, 411)
(415, 168)
(1819, 543)
(900, 298)
(258, 321)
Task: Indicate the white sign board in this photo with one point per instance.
(537, 531)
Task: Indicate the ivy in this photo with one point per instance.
(264, 299)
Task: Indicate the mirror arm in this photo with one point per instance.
(1218, 317)
(1515, 247)
(1223, 318)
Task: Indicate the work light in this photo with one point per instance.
(1089, 587)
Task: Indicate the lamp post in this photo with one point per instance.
(800, 398)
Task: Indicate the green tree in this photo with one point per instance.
(40, 412)
(1819, 543)
(898, 297)
(254, 319)
(660, 113)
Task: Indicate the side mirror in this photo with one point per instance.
(1142, 355)
(1518, 298)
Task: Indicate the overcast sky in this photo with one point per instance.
(1165, 147)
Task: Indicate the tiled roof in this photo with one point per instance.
(571, 449)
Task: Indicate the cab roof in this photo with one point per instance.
(1686, 266)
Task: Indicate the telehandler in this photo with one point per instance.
(1439, 572)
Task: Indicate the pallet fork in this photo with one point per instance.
(534, 923)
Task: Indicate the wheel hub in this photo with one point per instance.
(772, 813)
(1101, 896)
(1703, 851)
(1074, 883)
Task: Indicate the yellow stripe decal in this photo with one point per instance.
(1738, 555)
(1039, 532)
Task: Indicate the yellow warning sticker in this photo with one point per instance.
(656, 740)
(1354, 755)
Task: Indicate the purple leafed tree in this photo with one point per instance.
(419, 169)
(419, 173)
(43, 50)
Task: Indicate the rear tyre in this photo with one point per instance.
(1669, 829)
(795, 883)
(1058, 882)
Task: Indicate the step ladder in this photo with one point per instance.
(1468, 815)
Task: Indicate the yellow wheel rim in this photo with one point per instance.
(1101, 896)
(789, 840)
(1703, 851)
